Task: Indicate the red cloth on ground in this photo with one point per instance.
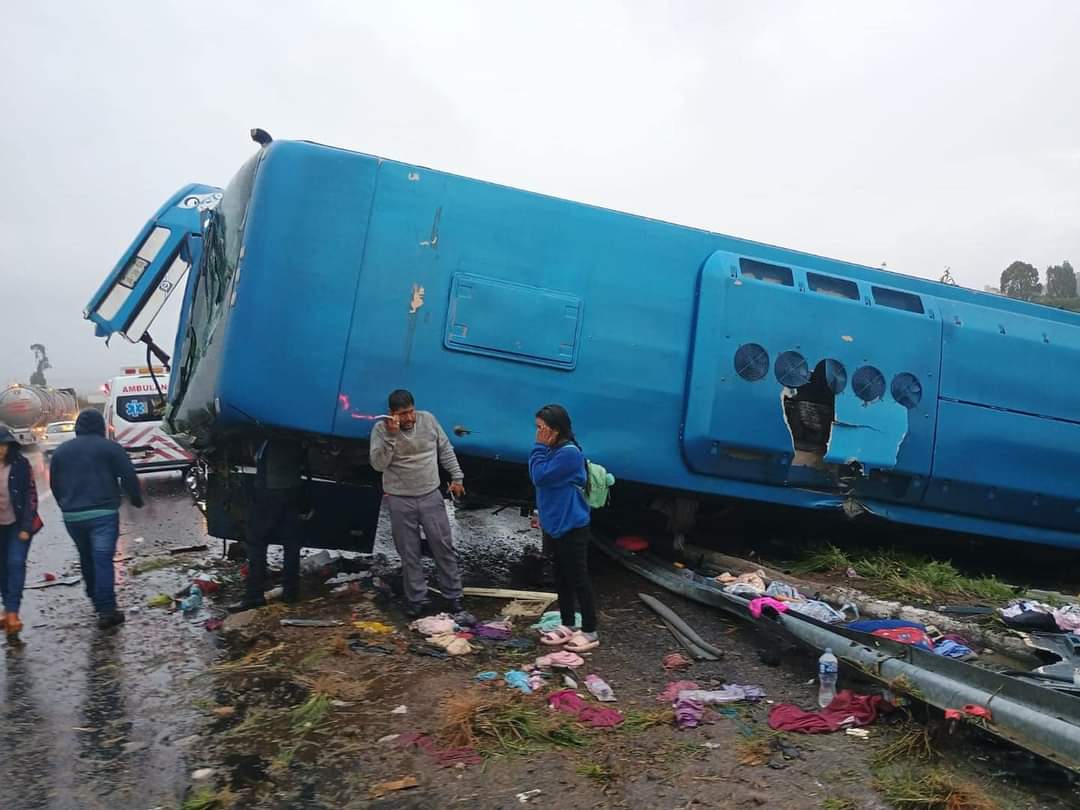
(568, 701)
(847, 709)
(446, 757)
(671, 691)
(907, 635)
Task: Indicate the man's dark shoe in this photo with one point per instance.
(246, 604)
(109, 620)
(290, 598)
(414, 610)
(454, 606)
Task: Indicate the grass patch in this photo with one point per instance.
(636, 721)
(503, 723)
(914, 744)
(596, 772)
(206, 798)
(838, 803)
(313, 659)
(310, 714)
(153, 564)
(937, 789)
(907, 575)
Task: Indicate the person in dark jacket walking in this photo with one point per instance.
(275, 517)
(87, 476)
(557, 469)
(18, 523)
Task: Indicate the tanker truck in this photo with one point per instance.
(27, 409)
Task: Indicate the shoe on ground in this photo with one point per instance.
(453, 606)
(12, 624)
(414, 610)
(246, 604)
(109, 620)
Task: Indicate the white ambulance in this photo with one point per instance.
(133, 417)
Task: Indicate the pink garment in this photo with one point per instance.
(568, 701)
(689, 713)
(446, 757)
(7, 512)
(757, 605)
(846, 710)
(671, 691)
(562, 658)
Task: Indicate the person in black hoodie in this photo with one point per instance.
(87, 475)
(18, 524)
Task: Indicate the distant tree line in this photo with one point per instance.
(1021, 280)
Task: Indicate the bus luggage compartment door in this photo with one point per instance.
(795, 372)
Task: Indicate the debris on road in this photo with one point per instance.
(72, 580)
(383, 788)
(311, 623)
(528, 795)
(185, 549)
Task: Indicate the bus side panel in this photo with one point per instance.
(488, 302)
(303, 244)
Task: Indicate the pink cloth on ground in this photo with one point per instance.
(756, 606)
(671, 691)
(568, 701)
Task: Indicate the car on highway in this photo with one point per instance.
(56, 433)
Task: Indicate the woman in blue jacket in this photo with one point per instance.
(18, 522)
(557, 469)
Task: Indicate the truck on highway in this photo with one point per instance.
(27, 410)
(700, 368)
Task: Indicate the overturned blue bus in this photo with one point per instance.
(696, 365)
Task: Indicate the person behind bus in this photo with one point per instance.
(18, 523)
(275, 517)
(557, 469)
(408, 449)
(87, 475)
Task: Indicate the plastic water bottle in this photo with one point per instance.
(193, 600)
(828, 670)
(599, 688)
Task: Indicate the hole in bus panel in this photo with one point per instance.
(809, 411)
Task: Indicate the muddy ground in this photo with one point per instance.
(163, 713)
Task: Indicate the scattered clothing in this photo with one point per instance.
(552, 620)
(569, 702)
(1025, 614)
(494, 630)
(870, 625)
(689, 713)
(767, 602)
(745, 583)
(744, 591)
(783, 591)
(906, 635)
(451, 643)
(675, 661)
(846, 710)
(957, 638)
(729, 693)
(445, 757)
(434, 625)
(487, 676)
(672, 690)
(563, 659)
(1067, 618)
(822, 611)
(952, 649)
(516, 679)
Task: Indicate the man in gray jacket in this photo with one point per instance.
(408, 449)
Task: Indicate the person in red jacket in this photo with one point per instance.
(18, 523)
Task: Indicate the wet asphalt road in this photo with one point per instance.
(94, 719)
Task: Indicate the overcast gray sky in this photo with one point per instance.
(921, 134)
